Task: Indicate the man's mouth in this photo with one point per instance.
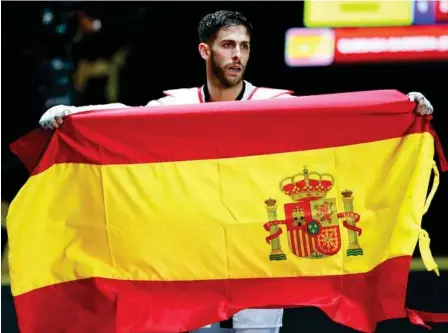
(235, 69)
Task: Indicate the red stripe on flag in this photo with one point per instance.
(31, 147)
(100, 305)
(230, 129)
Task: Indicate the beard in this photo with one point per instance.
(220, 74)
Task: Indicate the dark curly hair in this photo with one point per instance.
(211, 23)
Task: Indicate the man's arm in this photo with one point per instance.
(53, 117)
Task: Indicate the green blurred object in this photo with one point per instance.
(418, 266)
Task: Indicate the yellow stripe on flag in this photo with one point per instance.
(203, 219)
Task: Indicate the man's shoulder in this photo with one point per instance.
(259, 93)
(183, 92)
(269, 93)
(178, 96)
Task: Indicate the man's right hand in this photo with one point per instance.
(53, 117)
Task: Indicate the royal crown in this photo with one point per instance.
(347, 193)
(307, 185)
(270, 202)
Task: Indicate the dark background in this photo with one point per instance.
(161, 40)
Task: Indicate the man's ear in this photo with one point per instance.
(204, 51)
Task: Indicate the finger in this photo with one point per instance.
(54, 124)
(420, 110)
(421, 107)
(47, 126)
(59, 120)
(426, 110)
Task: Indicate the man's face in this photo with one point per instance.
(229, 55)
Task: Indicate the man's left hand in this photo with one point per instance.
(424, 107)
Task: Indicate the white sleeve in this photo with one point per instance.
(101, 107)
(167, 100)
(285, 96)
(60, 111)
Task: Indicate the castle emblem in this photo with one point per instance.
(311, 219)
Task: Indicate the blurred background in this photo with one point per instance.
(80, 53)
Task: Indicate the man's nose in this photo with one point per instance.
(236, 53)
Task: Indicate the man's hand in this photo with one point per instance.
(423, 107)
(53, 117)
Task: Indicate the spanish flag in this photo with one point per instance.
(170, 218)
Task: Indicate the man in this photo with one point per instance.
(225, 38)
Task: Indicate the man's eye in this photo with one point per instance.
(227, 45)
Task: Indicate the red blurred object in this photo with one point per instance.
(442, 11)
(88, 24)
(391, 44)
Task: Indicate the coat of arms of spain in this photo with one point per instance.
(311, 219)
